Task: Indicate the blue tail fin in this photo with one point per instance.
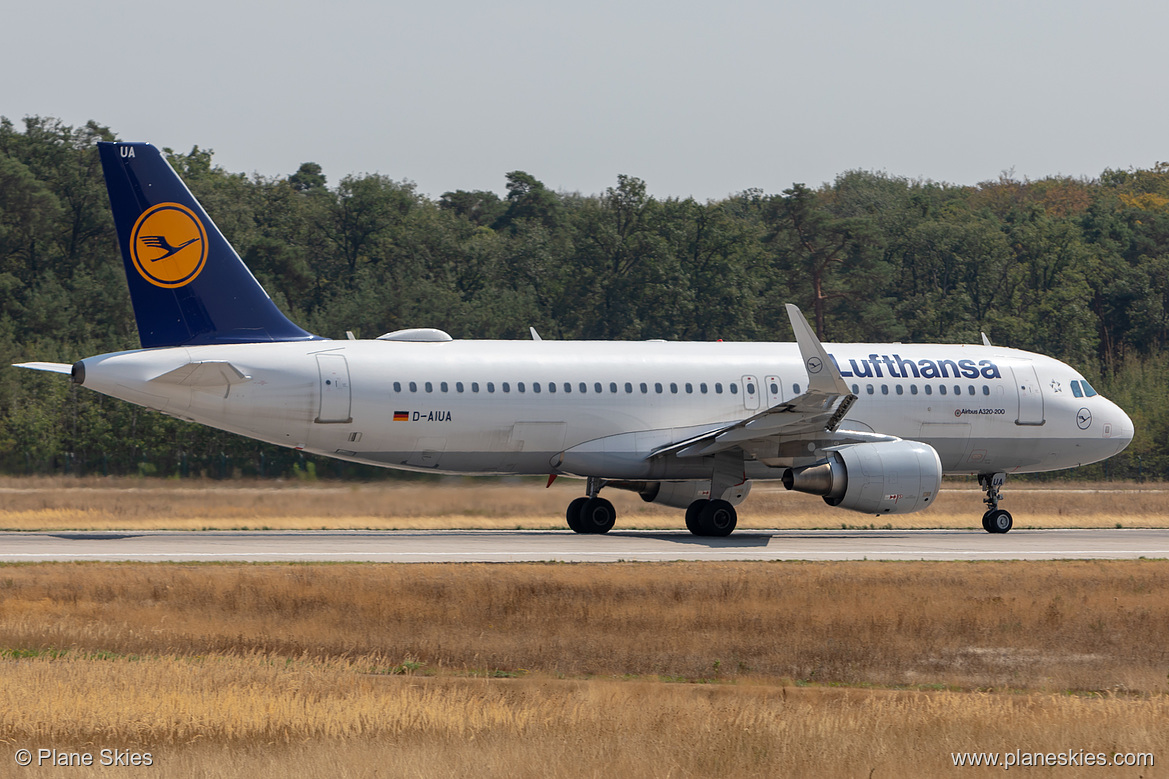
(187, 284)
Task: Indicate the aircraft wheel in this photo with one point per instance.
(573, 514)
(718, 518)
(986, 523)
(692, 513)
(998, 521)
(597, 515)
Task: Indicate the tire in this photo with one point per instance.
(718, 519)
(692, 513)
(597, 515)
(1000, 521)
(573, 514)
(986, 522)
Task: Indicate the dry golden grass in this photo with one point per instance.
(92, 503)
(1096, 625)
(225, 716)
(376, 670)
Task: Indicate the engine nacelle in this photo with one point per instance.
(895, 477)
(680, 494)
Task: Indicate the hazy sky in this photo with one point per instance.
(701, 99)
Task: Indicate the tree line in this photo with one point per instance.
(1074, 268)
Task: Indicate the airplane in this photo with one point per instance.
(869, 427)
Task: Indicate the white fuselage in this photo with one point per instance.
(603, 408)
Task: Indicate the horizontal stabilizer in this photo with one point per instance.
(52, 367)
(211, 374)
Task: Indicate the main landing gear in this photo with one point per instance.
(594, 514)
(711, 518)
(591, 514)
(995, 520)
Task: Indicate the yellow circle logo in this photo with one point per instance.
(168, 245)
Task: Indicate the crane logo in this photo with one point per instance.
(168, 245)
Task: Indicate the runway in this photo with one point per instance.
(499, 546)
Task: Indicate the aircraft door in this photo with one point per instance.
(334, 389)
(1030, 394)
(750, 393)
(773, 387)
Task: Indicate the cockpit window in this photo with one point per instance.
(1088, 391)
(1079, 393)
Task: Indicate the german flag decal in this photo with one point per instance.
(401, 416)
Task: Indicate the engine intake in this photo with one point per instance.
(895, 477)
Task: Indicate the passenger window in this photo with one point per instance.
(734, 388)
(912, 389)
(413, 386)
(429, 387)
(689, 388)
(568, 386)
(856, 389)
(869, 388)
(612, 387)
(774, 388)
(985, 389)
(474, 386)
(702, 388)
(929, 389)
(491, 386)
(458, 386)
(942, 389)
(673, 388)
(596, 387)
(443, 386)
(970, 390)
(519, 386)
(658, 387)
(957, 390)
(551, 386)
(644, 388)
(796, 389)
(535, 387)
(884, 389)
(506, 387)
(900, 390)
(718, 388)
(628, 388)
(750, 388)
(397, 386)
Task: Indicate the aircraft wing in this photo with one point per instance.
(816, 412)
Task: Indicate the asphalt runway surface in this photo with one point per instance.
(498, 546)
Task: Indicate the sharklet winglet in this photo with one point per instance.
(823, 375)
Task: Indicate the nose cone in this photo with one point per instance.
(1122, 427)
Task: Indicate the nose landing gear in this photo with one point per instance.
(995, 520)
